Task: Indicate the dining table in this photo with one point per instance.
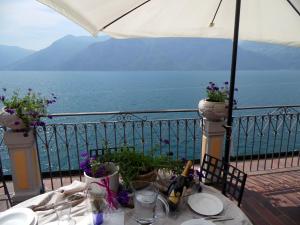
(43, 204)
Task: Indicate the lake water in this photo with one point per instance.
(128, 91)
(110, 91)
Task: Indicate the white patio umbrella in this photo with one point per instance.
(274, 21)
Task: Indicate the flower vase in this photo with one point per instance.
(113, 181)
(213, 111)
(11, 121)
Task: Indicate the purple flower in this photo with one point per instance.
(50, 117)
(97, 218)
(17, 123)
(216, 88)
(167, 142)
(29, 89)
(226, 83)
(10, 111)
(2, 98)
(200, 175)
(4, 89)
(84, 154)
(191, 173)
(101, 171)
(38, 123)
(123, 198)
(33, 114)
(85, 164)
(236, 89)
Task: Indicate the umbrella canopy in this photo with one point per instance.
(275, 21)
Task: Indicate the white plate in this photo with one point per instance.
(198, 222)
(205, 204)
(15, 216)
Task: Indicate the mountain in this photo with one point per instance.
(289, 57)
(165, 54)
(103, 53)
(11, 54)
(52, 57)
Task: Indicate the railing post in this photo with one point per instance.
(213, 138)
(25, 168)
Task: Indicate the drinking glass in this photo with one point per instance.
(146, 195)
(63, 212)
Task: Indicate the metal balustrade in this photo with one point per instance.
(264, 138)
(177, 133)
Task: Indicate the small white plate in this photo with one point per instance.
(198, 222)
(15, 216)
(205, 204)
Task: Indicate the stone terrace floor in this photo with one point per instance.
(273, 198)
(269, 199)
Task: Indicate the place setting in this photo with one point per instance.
(207, 205)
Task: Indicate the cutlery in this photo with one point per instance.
(218, 218)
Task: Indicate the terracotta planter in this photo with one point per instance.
(213, 111)
(113, 181)
(9, 121)
(149, 177)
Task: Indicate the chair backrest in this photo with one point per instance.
(213, 170)
(235, 183)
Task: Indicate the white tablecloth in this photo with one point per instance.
(79, 212)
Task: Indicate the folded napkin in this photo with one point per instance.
(72, 193)
(73, 188)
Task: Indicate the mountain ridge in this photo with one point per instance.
(11, 54)
(104, 53)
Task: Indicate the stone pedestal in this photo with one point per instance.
(24, 165)
(212, 139)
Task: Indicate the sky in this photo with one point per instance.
(32, 25)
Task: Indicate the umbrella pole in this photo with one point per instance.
(228, 126)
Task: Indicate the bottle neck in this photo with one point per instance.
(187, 168)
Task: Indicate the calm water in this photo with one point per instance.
(125, 91)
(110, 91)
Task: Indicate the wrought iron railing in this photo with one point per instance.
(266, 137)
(168, 132)
(263, 137)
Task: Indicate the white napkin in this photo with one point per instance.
(73, 188)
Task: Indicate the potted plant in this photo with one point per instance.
(136, 166)
(21, 112)
(214, 107)
(99, 170)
